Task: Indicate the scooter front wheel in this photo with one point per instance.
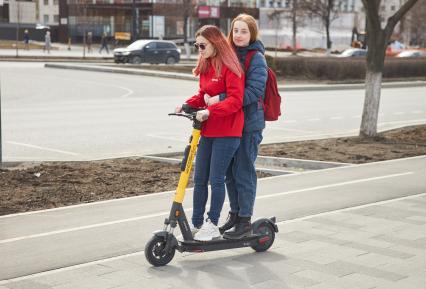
(155, 254)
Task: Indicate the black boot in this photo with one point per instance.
(241, 229)
(230, 222)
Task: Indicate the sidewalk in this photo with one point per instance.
(380, 245)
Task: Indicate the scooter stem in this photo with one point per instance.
(184, 175)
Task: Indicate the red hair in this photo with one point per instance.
(224, 54)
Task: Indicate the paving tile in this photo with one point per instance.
(417, 281)
(330, 254)
(419, 243)
(363, 281)
(319, 277)
(28, 284)
(306, 264)
(379, 250)
(369, 271)
(270, 284)
(412, 233)
(329, 221)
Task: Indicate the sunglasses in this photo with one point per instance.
(200, 46)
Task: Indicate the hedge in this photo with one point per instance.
(335, 68)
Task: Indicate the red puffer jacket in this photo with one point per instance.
(226, 117)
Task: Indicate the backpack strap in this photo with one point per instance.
(249, 56)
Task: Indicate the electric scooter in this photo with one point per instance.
(160, 249)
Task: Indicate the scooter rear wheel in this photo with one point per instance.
(266, 239)
(154, 252)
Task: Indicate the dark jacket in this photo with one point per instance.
(256, 77)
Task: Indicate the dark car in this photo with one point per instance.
(148, 51)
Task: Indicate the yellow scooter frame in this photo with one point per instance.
(161, 248)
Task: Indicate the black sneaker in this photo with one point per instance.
(230, 222)
(241, 229)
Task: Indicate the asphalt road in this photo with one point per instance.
(41, 241)
(53, 114)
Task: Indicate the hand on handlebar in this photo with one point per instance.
(178, 109)
(202, 115)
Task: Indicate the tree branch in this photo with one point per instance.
(394, 19)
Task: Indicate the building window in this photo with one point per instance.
(46, 19)
(46, 2)
(55, 2)
(56, 18)
(393, 7)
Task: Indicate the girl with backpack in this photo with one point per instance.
(222, 124)
(241, 179)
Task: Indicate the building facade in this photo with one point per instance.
(146, 18)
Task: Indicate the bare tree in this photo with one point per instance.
(275, 15)
(187, 13)
(326, 10)
(416, 24)
(297, 15)
(377, 39)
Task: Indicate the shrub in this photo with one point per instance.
(335, 69)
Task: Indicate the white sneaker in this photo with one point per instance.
(193, 229)
(208, 232)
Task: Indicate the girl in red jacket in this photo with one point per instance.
(220, 72)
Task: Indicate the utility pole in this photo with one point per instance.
(134, 20)
(18, 12)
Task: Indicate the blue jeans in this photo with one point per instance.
(213, 158)
(241, 178)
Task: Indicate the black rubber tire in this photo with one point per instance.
(264, 229)
(170, 60)
(153, 252)
(136, 60)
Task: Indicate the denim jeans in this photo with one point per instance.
(213, 158)
(241, 178)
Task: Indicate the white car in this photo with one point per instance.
(353, 52)
(412, 54)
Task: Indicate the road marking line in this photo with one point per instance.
(141, 253)
(334, 185)
(313, 119)
(43, 148)
(336, 117)
(189, 209)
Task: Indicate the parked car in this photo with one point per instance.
(148, 51)
(412, 54)
(353, 52)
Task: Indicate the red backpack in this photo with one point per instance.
(272, 101)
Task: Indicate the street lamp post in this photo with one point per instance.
(1, 151)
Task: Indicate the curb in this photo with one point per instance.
(144, 72)
(185, 76)
(272, 165)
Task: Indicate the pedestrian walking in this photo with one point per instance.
(26, 40)
(47, 42)
(219, 72)
(89, 40)
(104, 43)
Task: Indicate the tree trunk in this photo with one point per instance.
(373, 81)
(327, 29)
(294, 19)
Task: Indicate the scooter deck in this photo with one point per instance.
(217, 244)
